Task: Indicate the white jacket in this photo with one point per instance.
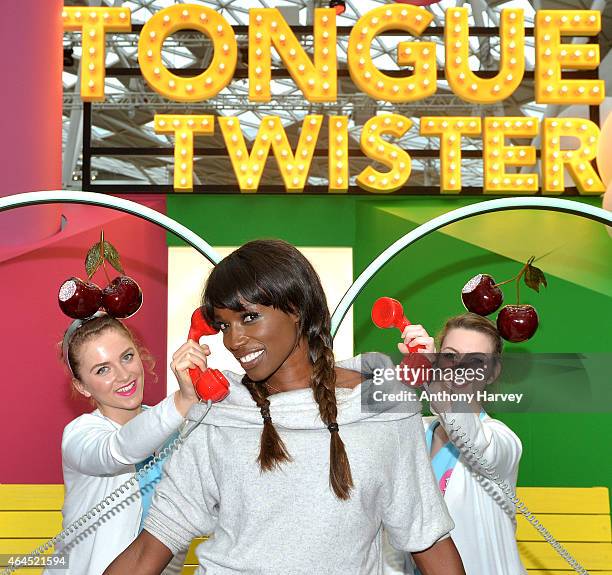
(485, 523)
(98, 455)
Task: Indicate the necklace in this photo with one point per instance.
(270, 387)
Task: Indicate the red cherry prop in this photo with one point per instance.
(79, 299)
(122, 297)
(517, 323)
(480, 295)
(339, 5)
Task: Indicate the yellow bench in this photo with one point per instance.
(577, 517)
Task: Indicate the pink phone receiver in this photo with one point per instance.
(387, 313)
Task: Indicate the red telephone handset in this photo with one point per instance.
(388, 312)
(209, 384)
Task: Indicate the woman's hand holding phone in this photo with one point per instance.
(418, 350)
(414, 335)
(189, 356)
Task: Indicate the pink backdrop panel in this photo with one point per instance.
(31, 101)
(36, 399)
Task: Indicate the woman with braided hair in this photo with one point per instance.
(292, 474)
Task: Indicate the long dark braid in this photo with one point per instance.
(272, 450)
(323, 386)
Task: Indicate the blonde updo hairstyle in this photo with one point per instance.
(473, 322)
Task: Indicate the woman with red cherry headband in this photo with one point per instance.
(101, 450)
(485, 523)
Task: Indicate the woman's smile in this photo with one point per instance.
(128, 390)
(249, 360)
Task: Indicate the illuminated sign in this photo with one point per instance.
(316, 78)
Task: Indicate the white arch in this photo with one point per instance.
(127, 206)
(490, 206)
(539, 203)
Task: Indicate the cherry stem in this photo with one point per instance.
(518, 279)
(519, 275)
(102, 255)
(105, 271)
(507, 281)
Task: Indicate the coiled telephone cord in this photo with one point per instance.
(465, 444)
(109, 499)
(453, 429)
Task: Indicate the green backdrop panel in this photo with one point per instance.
(234, 220)
(427, 277)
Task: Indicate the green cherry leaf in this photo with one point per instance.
(534, 277)
(93, 260)
(111, 255)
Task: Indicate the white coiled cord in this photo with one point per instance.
(109, 499)
(460, 440)
(465, 444)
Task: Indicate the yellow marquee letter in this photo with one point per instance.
(421, 55)
(317, 81)
(93, 24)
(552, 56)
(184, 128)
(193, 17)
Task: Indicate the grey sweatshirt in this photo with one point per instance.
(289, 521)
